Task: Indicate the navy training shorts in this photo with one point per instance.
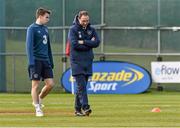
(40, 71)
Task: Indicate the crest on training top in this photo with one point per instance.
(89, 32)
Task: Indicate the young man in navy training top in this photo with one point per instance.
(40, 61)
(83, 38)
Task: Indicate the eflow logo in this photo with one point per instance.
(167, 70)
(112, 77)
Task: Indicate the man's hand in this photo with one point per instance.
(81, 42)
(93, 39)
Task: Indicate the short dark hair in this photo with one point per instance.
(82, 13)
(41, 11)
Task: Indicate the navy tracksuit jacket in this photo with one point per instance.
(81, 55)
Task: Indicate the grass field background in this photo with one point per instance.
(108, 111)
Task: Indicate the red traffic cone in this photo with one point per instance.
(156, 110)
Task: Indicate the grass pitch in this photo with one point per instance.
(108, 111)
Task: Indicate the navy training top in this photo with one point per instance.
(38, 44)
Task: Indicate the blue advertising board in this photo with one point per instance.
(112, 77)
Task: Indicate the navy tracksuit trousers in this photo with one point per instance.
(81, 98)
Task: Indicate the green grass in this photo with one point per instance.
(108, 111)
